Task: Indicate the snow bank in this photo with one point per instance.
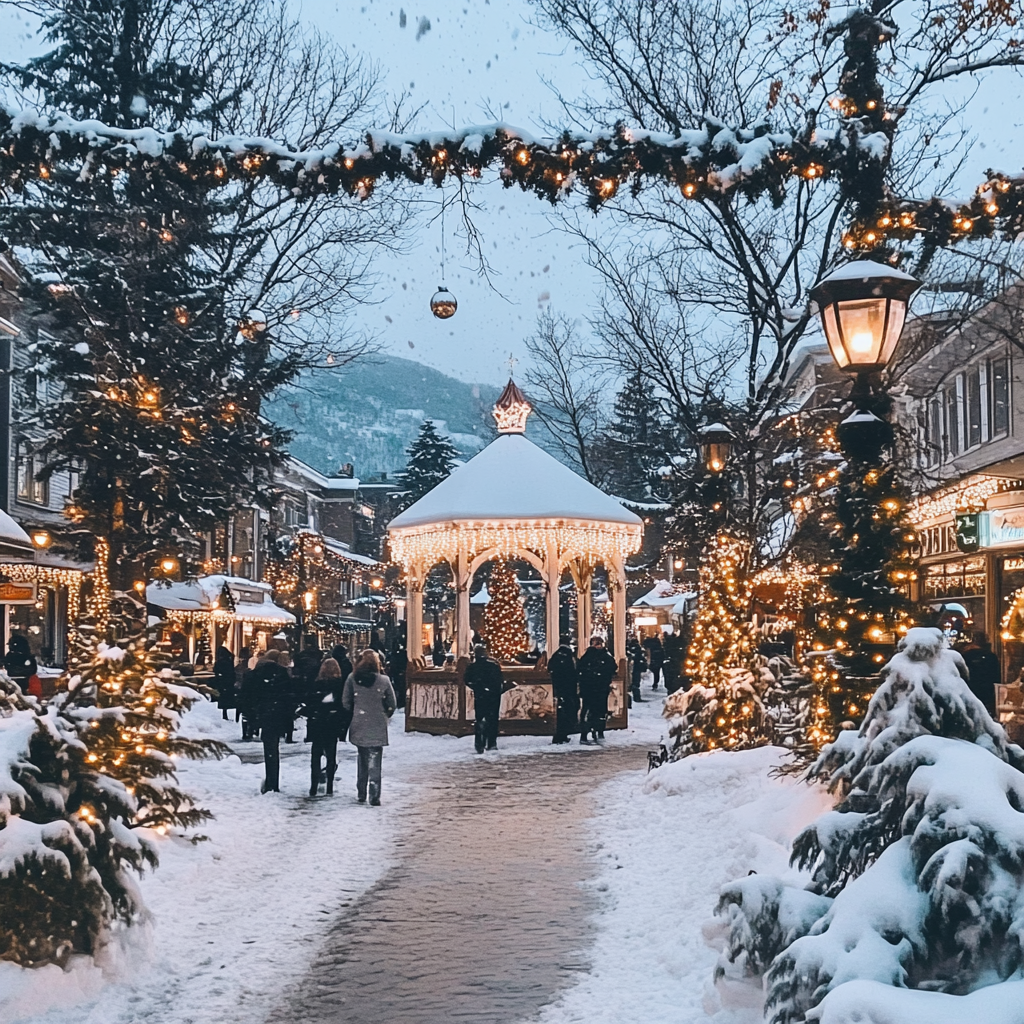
(868, 1002)
(665, 843)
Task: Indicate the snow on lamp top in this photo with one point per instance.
(511, 410)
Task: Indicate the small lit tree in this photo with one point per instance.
(504, 617)
(723, 707)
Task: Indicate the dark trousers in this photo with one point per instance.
(399, 684)
(486, 731)
(322, 747)
(368, 773)
(271, 761)
(595, 711)
(656, 670)
(566, 712)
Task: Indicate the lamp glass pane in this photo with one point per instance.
(897, 316)
(863, 323)
(833, 335)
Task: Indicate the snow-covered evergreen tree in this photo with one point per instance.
(77, 779)
(917, 876)
(431, 460)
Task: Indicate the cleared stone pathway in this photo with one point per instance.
(483, 919)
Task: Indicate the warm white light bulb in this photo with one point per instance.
(862, 341)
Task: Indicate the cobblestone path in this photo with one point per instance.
(483, 918)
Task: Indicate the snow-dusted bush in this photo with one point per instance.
(923, 857)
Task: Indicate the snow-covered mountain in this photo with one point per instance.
(369, 413)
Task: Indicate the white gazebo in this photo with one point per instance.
(514, 500)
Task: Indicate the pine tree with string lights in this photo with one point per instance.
(723, 709)
(865, 607)
(504, 626)
(160, 382)
(431, 460)
(137, 739)
(81, 781)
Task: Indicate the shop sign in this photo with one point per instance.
(1000, 528)
(1013, 564)
(17, 593)
(967, 533)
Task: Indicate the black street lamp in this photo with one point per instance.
(715, 445)
(863, 307)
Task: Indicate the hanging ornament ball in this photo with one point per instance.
(443, 304)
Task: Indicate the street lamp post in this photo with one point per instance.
(715, 446)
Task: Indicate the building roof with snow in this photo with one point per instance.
(252, 601)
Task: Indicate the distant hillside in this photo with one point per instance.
(369, 413)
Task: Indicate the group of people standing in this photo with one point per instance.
(581, 688)
(337, 698)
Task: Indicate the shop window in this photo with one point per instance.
(972, 411)
(30, 487)
(951, 440)
(999, 396)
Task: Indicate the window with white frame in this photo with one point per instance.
(30, 487)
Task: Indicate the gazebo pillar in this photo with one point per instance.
(582, 575)
(618, 589)
(463, 633)
(414, 613)
(552, 576)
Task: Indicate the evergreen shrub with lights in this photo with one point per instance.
(504, 618)
(723, 708)
(866, 608)
(77, 779)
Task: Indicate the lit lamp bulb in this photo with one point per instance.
(41, 539)
(168, 564)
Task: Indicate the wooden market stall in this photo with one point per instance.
(512, 500)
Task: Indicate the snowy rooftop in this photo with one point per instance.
(252, 600)
(513, 479)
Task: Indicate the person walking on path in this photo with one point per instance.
(984, 670)
(655, 657)
(268, 695)
(19, 662)
(398, 666)
(224, 680)
(597, 670)
(565, 690)
(327, 722)
(484, 678)
(339, 652)
(638, 661)
(370, 698)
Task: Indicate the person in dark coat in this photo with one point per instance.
(984, 670)
(655, 657)
(397, 667)
(19, 662)
(597, 669)
(339, 652)
(484, 678)
(307, 662)
(268, 694)
(565, 689)
(224, 680)
(437, 652)
(327, 722)
(370, 698)
(673, 663)
(638, 660)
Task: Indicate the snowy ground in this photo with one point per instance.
(666, 845)
(237, 916)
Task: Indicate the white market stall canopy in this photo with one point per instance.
(218, 597)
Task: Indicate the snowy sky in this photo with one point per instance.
(479, 57)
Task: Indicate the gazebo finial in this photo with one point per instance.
(511, 410)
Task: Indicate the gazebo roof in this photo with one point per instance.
(512, 480)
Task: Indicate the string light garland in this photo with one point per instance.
(970, 495)
(592, 542)
(709, 161)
